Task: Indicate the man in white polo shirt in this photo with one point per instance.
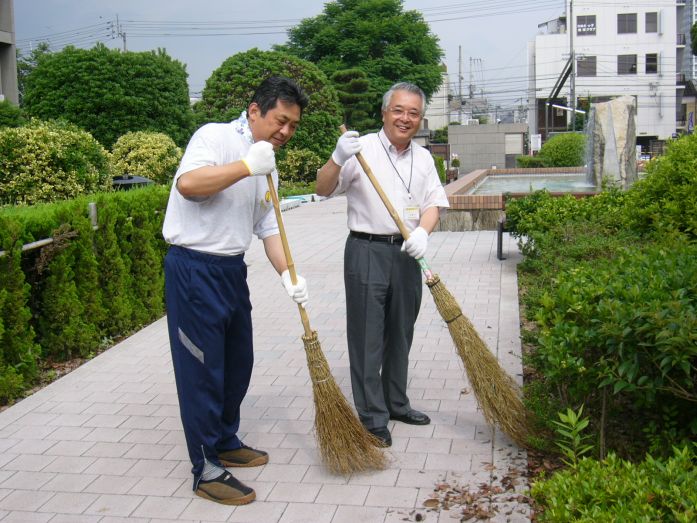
(218, 200)
(381, 275)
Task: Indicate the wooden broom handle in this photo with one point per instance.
(388, 204)
(286, 251)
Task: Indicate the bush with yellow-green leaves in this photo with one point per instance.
(48, 161)
(298, 167)
(149, 154)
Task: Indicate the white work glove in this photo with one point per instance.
(347, 145)
(417, 243)
(260, 159)
(297, 292)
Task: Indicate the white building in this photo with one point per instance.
(621, 47)
(438, 108)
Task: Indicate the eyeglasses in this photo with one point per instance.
(399, 112)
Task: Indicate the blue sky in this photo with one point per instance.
(494, 33)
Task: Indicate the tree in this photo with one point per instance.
(693, 38)
(109, 93)
(230, 88)
(25, 65)
(353, 87)
(377, 36)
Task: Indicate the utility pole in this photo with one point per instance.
(121, 33)
(572, 82)
(471, 87)
(459, 83)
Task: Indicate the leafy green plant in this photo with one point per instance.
(529, 161)
(299, 166)
(440, 167)
(618, 490)
(571, 439)
(108, 92)
(563, 150)
(10, 115)
(45, 162)
(148, 154)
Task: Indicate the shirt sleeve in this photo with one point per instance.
(346, 175)
(435, 195)
(200, 152)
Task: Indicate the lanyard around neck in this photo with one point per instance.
(411, 168)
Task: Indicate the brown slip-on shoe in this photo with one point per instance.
(225, 489)
(243, 457)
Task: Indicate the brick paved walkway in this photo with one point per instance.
(104, 443)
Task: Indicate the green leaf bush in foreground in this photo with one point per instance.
(617, 490)
(148, 154)
(46, 162)
(628, 325)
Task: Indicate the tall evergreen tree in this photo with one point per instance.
(353, 87)
(376, 36)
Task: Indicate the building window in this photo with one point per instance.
(586, 66)
(626, 64)
(585, 25)
(626, 23)
(651, 23)
(652, 63)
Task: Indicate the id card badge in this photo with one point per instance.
(412, 213)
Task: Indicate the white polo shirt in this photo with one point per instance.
(224, 222)
(408, 178)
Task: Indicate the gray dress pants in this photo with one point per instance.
(383, 297)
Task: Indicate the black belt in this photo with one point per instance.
(387, 238)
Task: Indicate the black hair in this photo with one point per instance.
(277, 88)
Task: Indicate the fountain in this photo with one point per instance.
(610, 143)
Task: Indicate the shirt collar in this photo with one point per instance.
(241, 126)
(388, 144)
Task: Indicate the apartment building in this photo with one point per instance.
(621, 48)
(8, 53)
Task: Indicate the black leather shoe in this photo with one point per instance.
(413, 417)
(383, 435)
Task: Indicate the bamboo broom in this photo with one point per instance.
(345, 445)
(497, 394)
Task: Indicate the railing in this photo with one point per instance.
(681, 39)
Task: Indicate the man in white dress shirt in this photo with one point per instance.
(381, 275)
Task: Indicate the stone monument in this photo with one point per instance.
(611, 142)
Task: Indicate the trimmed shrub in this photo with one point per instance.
(151, 155)
(563, 150)
(67, 299)
(10, 115)
(440, 167)
(299, 166)
(666, 198)
(616, 490)
(45, 162)
(529, 161)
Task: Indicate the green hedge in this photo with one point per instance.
(87, 287)
(616, 490)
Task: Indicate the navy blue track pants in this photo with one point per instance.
(209, 317)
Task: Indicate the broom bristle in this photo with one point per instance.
(498, 395)
(344, 444)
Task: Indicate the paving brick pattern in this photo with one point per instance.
(104, 443)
